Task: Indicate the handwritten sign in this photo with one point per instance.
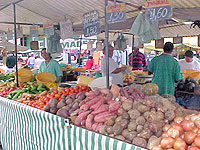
(158, 9)
(34, 45)
(177, 40)
(34, 31)
(116, 13)
(66, 30)
(91, 23)
(159, 43)
(48, 29)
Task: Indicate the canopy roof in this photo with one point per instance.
(54, 11)
(11, 47)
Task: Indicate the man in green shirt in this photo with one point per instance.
(50, 65)
(166, 70)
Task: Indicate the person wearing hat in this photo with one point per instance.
(189, 62)
(50, 65)
(166, 70)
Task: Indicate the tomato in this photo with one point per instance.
(55, 91)
(66, 88)
(83, 87)
(87, 90)
(76, 91)
(71, 88)
(76, 88)
(53, 94)
(63, 91)
(57, 95)
(71, 92)
(79, 90)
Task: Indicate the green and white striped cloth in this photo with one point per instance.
(26, 128)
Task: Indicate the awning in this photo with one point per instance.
(11, 47)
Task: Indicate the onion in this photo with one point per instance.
(166, 127)
(157, 147)
(187, 118)
(172, 132)
(178, 119)
(178, 127)
(194, 117)
(187, 125)
(180, 144)
(189, 137)
(195, 130)
(193, 148)
(197, 123)
(164, 135)
(197, 141)
(167, 142)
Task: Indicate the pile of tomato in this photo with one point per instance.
(6, 91)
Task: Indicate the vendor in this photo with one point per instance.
(50, 65)
(166, 70)
(114, 70)
(189, 62)
(89, 63)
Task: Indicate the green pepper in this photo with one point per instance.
(16, 95)
(34, 91)
(33, 88)
(39, 87)
(14, 92)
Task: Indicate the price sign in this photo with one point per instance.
(66, 30)
(91, 23)
(34, 31)
(48, 29)
(158, 9)
(116, 13)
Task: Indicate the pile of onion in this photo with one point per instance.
(182, 134)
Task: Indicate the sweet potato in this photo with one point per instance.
(115, 90)
(100, 118)
(90, 94)
(98, 104)
(122, 98)
(81, 117)
(83, 123)
(97, 91)
(110, 101)
(102, 108)
(105, 91)
(139, 142)
(98, 127)
(93, 101)
(114, 106)
(88, 122)
(85, 107)
(108, 96)
(94, 126)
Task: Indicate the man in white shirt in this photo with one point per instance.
(38, 62)
(31, 61)
(189, 62)
(114, 70)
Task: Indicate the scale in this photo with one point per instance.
(142, 79)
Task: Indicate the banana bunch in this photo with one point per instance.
(4, 85)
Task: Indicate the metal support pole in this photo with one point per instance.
(15, 33)
(79, 58)
(106, 42)
(132, 49)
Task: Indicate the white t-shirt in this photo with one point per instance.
(117, 78)
(31, 60)
(38, 61)
(194, 65)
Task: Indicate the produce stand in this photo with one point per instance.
(24, 127)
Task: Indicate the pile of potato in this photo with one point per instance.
(66, 106)
(140, 121)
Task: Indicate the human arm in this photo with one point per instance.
(150, 67)
(117, 70)
(177, 73)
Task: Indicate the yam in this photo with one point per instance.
(118, 120)
(53, 110)
(120, 111)
(139, 128)
(140, 120)
(62, 113)
(53, 102)
(134, 114)
(127, 105)
(109, 130)
(142, 108)
(132, 126)
(117, 128)
(145, 134)
(128, 135)
(139, 142)
(72, 96)
(120, 137)
(170, 115)
(102, 130)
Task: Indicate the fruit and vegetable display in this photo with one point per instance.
(8, 77)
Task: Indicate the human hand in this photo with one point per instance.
(123, 68)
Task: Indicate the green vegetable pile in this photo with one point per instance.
(8, 77)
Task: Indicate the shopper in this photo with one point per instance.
(31, 61)
(50, 65)
(137, 59)
(10, 62)
(189, 62)
(38, 62)
(114, 70)
(89, 63)
(166, 70)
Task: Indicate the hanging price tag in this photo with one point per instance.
(116, 13)
(34, 31)
(158, 9)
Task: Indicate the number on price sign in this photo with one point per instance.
(91, 23)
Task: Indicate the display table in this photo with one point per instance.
(26, 128)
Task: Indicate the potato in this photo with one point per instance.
(61, 104)
(143, 108)
(128, 135)
(117, 129)
(118, 120)
(120, 111)
(125, 115)
(46, 108)
(139, 142)
(69, 101)
(75, 106)
(140, 120)
(124, 123)
(72, 96)
(170, 115)
(109, 130)
(120, 137)
(159, 133)
(160, 115)
(110, 121)
(102, 130)
(134, 114)
(145, 133)
(153, 140)
(146, 114)
(53, 102)
(132, 126)
(139, 128)
(127, 105)
(146, 125)
(62, 113)
(112, 135)
(67, 108)
(53, 110)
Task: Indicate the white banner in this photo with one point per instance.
(66, 30)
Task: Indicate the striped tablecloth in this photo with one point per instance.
(26, 128)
